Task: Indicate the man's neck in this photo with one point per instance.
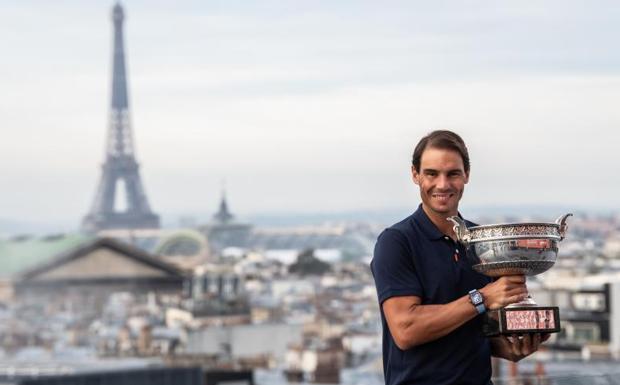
(441, 221)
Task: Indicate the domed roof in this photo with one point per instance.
(182, 243)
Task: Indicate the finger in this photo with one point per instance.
(544, 337)
(526, 345)
(516, 345)
(506, 280)
(535, 342)
(514, 287)
(514, 299)
(516, 278)
(505, 339)
(516, 291)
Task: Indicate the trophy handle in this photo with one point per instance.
(561, 221)
(460, 229)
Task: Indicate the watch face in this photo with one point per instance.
(476, 298)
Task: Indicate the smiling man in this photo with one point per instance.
(431, 299)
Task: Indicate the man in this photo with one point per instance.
(432, 328)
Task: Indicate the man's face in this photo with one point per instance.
(442, 179)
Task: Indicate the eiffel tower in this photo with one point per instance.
(120, 169)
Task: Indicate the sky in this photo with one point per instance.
(310, 106)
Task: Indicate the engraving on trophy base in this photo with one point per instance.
(521, 320)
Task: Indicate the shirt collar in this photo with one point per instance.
(427, 226)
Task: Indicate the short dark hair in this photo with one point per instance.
(442, 139)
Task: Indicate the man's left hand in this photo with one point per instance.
(515, 348)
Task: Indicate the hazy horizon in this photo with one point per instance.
(385, 217)
(313, 106)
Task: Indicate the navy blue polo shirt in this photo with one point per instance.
(414, 258)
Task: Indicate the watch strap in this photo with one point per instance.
(481, 308)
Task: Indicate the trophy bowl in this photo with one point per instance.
(512, 248)
(515, 249)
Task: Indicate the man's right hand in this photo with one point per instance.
(504, 291)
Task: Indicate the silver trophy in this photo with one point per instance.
(515, 249)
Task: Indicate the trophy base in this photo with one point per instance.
(521, 320)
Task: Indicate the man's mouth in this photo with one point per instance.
(442, 196)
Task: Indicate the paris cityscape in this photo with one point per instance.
(218, 290)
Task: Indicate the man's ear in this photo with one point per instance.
(466, 177)
(415, 176)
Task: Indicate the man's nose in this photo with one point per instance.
(442, 182)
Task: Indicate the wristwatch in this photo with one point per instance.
(477, 300)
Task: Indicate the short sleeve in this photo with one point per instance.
(393, 267)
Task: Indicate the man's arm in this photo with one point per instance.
(413, 324)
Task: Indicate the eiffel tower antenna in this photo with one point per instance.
(120, 171)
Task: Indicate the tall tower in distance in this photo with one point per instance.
(120, 171)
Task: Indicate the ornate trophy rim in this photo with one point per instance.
(507, 231)
(515, 224)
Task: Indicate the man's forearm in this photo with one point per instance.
(425, 323)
